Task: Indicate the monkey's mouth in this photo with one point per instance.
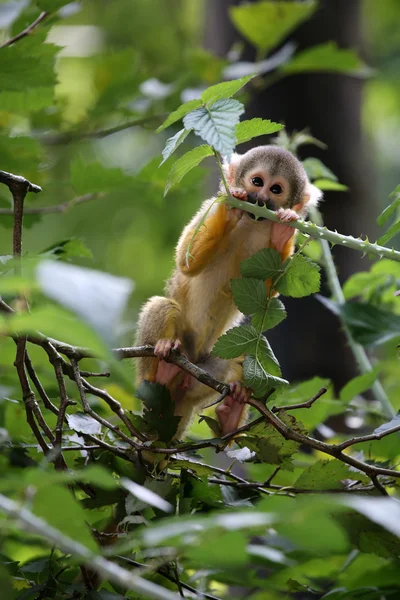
(254, 199)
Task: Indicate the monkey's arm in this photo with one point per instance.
(212, 234)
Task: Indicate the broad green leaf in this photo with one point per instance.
(358, 385)
(226, 89)
(152, 493)
(94, 177)
(26, 101)
(83, 423)
(327, 185)
(60, 509)
(98, 298)
(67, 249)
(316, 169)
(55, 322)
(263, 264)
(158, 409)
(271, 317)
(216, 124)
(250, 295)
(185, 163)
(326, 57)
(235, 342)
(179, 113)
(265, 24)
(327, 475)
(20, 154)
(247, 130)
(363, 282)
(370, 325)
(267, 358)
(257, 378)
(301, 278)
(173, 143)
(391, 232)
(389, 210)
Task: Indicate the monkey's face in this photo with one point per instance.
(262, 188)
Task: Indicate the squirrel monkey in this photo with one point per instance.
(198, 306)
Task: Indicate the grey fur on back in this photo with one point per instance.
(275, 160)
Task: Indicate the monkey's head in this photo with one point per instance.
(273, 177)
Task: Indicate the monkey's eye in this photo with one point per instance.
(257, 181)
(276, 189)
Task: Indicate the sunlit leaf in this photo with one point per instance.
(180, 112)
(327, 185)
(316, 169)
(185, 163)
(226, 89)
(247, 130)
(358, 385)
(389, 210)
(173, 143)
(326, 57)
(301, 278)
(235, 342)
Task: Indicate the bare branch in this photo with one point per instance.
(367, 438)
(57, 208)
(307, 404)
(26, 31)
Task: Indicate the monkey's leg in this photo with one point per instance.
(212, 234)
(160, 324)
(232, 411)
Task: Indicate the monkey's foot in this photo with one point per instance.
(163, 347)
(238, 193)
(230, 410)
(287, 214)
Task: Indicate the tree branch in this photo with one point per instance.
(57, 208)
(26, 31)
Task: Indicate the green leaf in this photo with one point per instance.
(326, 57)
(327, 185)
(235, 342)
(358, 385)
(158, 409)
(257, 378)
(179, 113)
(67, 249)
(185, 163)
(247, 130)
(301, 278)
(267, 357)
(327, 474)
(271, 317)
(389, 210)
(94, 177)
(173, 143)
(266, 24)
(27, 101)
(59, 508)
(370, 325)
(316, 169)
(223, 90)
(250, 295)
(263, 264)
(97, 298)
(391, 232)
(216, 124)
(6, 584)
(83, 423)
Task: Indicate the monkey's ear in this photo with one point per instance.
(312, 196)
(229, 167)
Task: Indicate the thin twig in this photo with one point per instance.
(367, 438)
(307, 404)
(26, 31)
(57, 208)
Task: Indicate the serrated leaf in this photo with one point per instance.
(370, 325)
(226, 89)
(389, 210)
(185, 163)
(263, 264)
(247, 130)
(267, 358)
(326, 57)
(235, 342)
(327, 185)
(250, 295)
(83, 423)
(266, 24)
(180, 112)
(316, 169)
(158, 409)
(271, 317)
(391, 232)
(358, 385)
(28, 66)
(173, 143)
(302, 278)
(327, 474)
(257, 378)
(395, 422)
(216, 124)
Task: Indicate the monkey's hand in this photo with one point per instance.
(166, 372)
(281, 233)
(229, 411)
(238, 193)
